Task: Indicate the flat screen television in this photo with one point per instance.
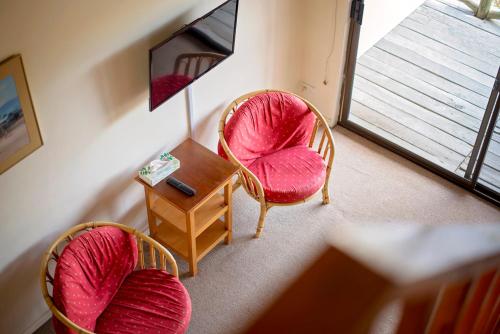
(191, 52)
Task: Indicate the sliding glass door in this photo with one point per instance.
(484, 168)
(422, 79)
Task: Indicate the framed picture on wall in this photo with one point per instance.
(19, 132)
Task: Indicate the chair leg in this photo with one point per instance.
(326, 196)
(260, 226)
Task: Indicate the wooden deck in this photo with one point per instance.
(425, 86)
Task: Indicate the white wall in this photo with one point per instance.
(325, 35)
(380, 16)
(87, 68)
(326, 28)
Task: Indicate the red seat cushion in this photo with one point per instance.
(267, 123)
(291, 174)
(89, 272)
(149, 301)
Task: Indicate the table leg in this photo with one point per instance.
(153, 229)
(228, 216)
(193, 265)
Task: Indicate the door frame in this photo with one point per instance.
(484, 134)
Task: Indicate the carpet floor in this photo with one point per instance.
(369, 184)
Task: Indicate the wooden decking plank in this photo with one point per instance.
(431, 91)
(400, 97)
(452, 41)
(442, 27)
(493, 187)
(432, 66)
(428, 77)
(465, 15)
(384, 104)
(494, 144)
(491, 177)
(402, 136)
(496, 136)
(455, 54)
(490, 172)
(494, 147)
(439, 58)
(456, 5)
(394, 139)
(471, 33)
(487, 179)
(490, 159)
(470, 109)
(387, 129)
(493, 160)
(463, 166)
(437, 142)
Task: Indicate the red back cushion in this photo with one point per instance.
(89, 272)
(267, 123)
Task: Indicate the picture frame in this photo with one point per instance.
(19, 131)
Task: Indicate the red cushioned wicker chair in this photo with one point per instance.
(109, 278)
(283, 146)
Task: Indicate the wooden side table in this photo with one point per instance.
(190, 225)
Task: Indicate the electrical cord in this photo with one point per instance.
(332, 49)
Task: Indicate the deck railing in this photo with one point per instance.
(484, 9)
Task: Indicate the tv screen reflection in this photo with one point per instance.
(191, 52)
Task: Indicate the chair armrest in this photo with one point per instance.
(155, 248)
(248, 180)
(322, 142)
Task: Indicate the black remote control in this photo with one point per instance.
(181, 186)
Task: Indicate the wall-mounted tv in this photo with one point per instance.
(191, 52)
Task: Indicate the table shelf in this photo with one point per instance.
(204, 216)
(172, 238)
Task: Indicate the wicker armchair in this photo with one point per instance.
(150, 255)
(320, 140)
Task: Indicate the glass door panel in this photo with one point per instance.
(418, 80)
(486, 172)
(489, 175)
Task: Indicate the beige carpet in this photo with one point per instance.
(369, 184)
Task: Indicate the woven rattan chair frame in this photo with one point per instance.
(321, 141)
(157, 258)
